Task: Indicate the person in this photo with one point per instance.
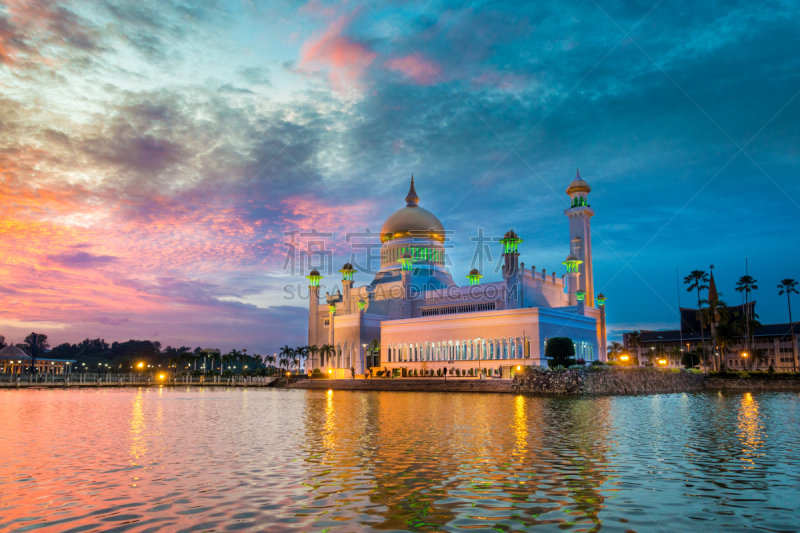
(352, 373)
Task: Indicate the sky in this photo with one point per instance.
(156, 157)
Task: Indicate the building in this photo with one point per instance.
(414, 316)
(774, 341)
(14, 360)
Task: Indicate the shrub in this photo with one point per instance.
(580, 361)
(560, 351)
(695, 371)
(771, 370)
(675, 370)
(613, 363)
(403, 372)
(743, 375)
(458, 372)
(415, 372)
(576, 367)
(597, 363)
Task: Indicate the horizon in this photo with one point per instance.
(158, 157)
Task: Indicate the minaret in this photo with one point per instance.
(313, 309)
(347, 272)
(580, 234)
(511, 273)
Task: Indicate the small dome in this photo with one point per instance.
(314, 272)
(578, 185)
(407, 256)
(510, 234)
(601, 297)
(347, 266)
(474, 272)
(571, 257)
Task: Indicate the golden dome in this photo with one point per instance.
(412, 221)
(578, 185)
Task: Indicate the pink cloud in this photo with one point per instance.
(421, 71)
(343, 57)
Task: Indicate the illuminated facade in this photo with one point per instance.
(413, 316)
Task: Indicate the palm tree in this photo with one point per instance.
(787, 286)
(326, 350)
(760, 356)
(313, 350)
(270, 359)
(235, 357)
(716, 312)
(727, 335)
(745, 285)
(287, 354)
(634, 339)
(614, 350)
(697, 280)
(301, 352)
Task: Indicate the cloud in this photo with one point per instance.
(420, 71)
(81, 259)
(343, 57)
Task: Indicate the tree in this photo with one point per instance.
(690, 359)
(560, 351)
(745, 285)
(697, 280)
(788, 286)
(3, 342)
(287, 353)
(727, 337)
(614, 350)
(41, 343)
(313, 350)
(635, 339)
(301, 352)
(326, 350)
(271, 360)
(715, 313)
(760, 357)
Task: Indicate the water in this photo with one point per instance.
(278, 460)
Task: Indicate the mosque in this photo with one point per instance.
(413, 316)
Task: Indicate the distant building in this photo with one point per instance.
(414, 317)
(774, 339)
(15, 361)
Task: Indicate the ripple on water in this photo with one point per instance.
(278, 460)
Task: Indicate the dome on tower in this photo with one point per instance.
(412, 221)
(578, 185)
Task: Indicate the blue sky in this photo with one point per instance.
(155, 153)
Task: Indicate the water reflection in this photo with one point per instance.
(138, 427)
(750, 429)
(275, 460)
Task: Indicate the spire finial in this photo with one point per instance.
(578, 175)
(412, 198)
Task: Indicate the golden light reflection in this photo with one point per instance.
(330, 426)
(520, 427)
(751, 428)
(137, 431)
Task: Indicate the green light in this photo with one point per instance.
(313, 281)
(347, 274)
(332, 308)
(581, 295)
(406, 262)
(510, 244)
(362, 304)
(601, 301)
(474, 277)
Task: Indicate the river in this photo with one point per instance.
(194, 459)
